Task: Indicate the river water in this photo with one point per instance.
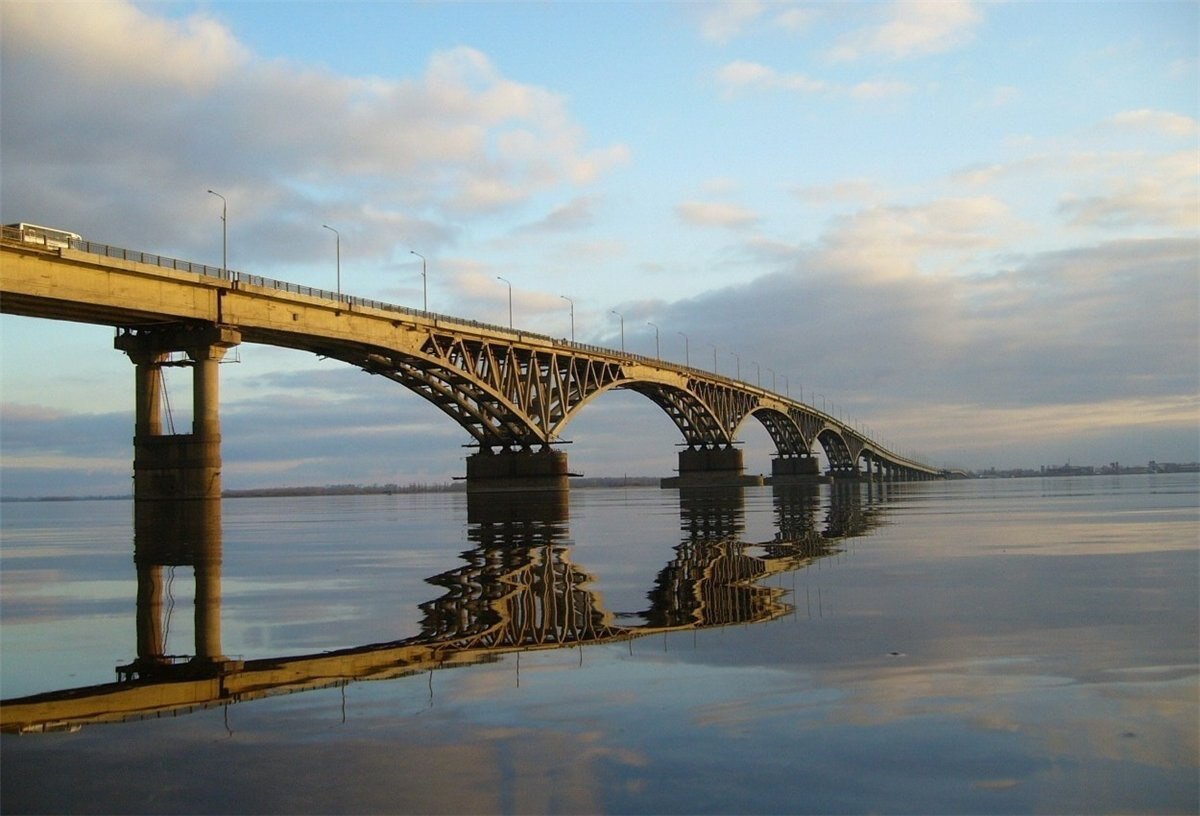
(1026, 645)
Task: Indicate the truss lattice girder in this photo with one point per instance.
(784, 432)
(836, 450)
(707, 413)
(854, 446)
(505, 394)
(508, 395)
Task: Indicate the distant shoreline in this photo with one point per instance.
(581, 482)
(354, 490)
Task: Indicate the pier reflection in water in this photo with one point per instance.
(518, 589)
(167, 536)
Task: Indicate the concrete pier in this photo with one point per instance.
(711, 467)
(171, 467)
(516, 471)
(796, 470)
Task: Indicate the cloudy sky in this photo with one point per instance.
(970, 227)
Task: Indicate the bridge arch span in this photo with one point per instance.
(837, 450)
(787, 435)
(700, 425)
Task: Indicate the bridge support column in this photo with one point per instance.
(176, 467)
(711, 467)
(795, 470)
(867, 472)
(515, 471)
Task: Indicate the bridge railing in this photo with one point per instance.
(137, 256)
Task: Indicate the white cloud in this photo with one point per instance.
(722, 21)
(901, 241)
(114, 43)
(913, 28)
(158, 109)
(1162, 122)
(794, 19)
(880, 89)
(742, 75)
(575, 214)
(715, 214)
(1161, 191)
(860, 191)
(721, 186)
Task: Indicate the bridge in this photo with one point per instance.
(512, 391)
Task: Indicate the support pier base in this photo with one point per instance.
(517, 471)
(713, 467)
(796, 470)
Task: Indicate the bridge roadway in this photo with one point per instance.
(512, 391)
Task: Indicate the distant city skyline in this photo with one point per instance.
(971, 227)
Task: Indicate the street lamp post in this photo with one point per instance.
(757, 374)
(506, 280)
(738, 358)
(772, 378)
(714, 359)
(657, 352)
(622, 317)
(224, 233)
(338, 248)
(568, 300)
(424, 282)
(687, 357)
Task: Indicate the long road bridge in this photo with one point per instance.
(512, 391)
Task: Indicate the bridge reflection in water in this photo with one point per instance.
(517, 590)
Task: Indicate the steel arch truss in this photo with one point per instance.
(836, 450)
(789, 438)
(505, 395)
(707, 413)
(699, 425)
(518, 396)
(808, 423)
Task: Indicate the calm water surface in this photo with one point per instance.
(994, 646)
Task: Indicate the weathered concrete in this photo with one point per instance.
(177, 467)
(796, 470)
(516, 471)
(711, 467)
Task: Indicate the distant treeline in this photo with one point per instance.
(422, 487)
(359, 490)
(346, 490)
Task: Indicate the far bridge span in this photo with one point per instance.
(512, 391)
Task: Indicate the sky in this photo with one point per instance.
(970, 228)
